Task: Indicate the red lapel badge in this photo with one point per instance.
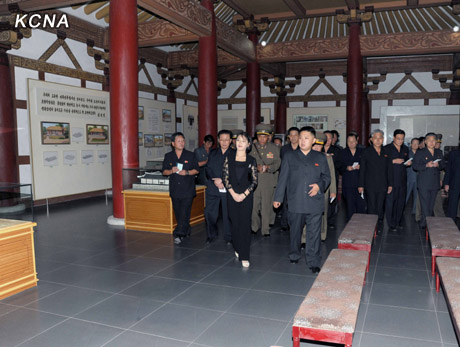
(316, 164)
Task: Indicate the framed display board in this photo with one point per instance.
(190, 127)
(236, 119)
(157, 121)
(70, 139)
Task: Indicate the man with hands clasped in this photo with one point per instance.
(304, 177)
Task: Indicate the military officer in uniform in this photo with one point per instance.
(268, 162)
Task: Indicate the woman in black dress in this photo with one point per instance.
(240, 180)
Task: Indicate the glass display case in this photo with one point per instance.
(16, 201)
(147, 178)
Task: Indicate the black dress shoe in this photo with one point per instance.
(228, 243)
(294, 261)
(315, 269)
(302, 245)
(266, 235)
(393, 229)
(208, 241)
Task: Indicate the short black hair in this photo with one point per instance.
(415, 138)
(328, 132)
(421, 138)
(335, 132)
(176, 134)
(246, 135)
(224, 132)
(309, 129)
(293, 129)
(209, 138)
(430, 134)
(399, 132)
(353, 134)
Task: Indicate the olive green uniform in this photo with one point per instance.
(263, 196)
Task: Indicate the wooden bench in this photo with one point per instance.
(444, 237)
(448, 271)
(330, 309)
(359, 233)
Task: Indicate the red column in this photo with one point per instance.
(8, 141)
(366, 121)
(354, 79)
(207, 80)
(123, 94)
(280, 116)
(252, 92)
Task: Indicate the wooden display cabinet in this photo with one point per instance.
(17, 257)
(152, 210)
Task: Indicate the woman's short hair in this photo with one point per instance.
(248, 138)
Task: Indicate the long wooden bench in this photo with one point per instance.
(330, 309)
(359, 233)
(448, 271)
(444, 237)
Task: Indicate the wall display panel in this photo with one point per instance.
(62, 161)
(236, 119)
(190, 127)
(155, 119)
(321, 118)
(416, 121)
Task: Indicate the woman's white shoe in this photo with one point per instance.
(236, 254)
(245, 263)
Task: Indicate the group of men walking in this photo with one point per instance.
(299, 182)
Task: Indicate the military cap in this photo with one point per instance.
(320, 139)
(438, 137)
(236, 132)
(263, 129)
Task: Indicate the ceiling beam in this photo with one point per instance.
(36, 5)
(331, 11)
(160, 32)
(434, 42)
(238, 8)
(234, 42)
(352, 4)
(277, 69)
(188, 14)
(296, 7)
(153, 56)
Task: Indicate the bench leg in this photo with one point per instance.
(433, 265)
(296, 341)
(437, 282)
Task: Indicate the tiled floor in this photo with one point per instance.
(102, 286)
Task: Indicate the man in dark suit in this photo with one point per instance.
(216, 195)
(452, 183)
(181, 166)
(304, 177)
(428, 162)
(398, 154)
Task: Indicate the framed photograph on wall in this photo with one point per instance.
(140, 138)
(148, 140)
(97, 134)
(140, 112)
(158, 140)
(50, 158)
(167, 139)
(69, 158)
(166, 115)
(55, 133)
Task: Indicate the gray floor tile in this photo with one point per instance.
(69, 302)
(33, 294)
(107, 260)
(171, 253)
(188, 271)
(402, 249)
(267, 305)
(233, 330)
(447, 328)
(4, 309)
(408, 277)
(22, 324)
(143, 265)
(138, 248)
(402, 261)
(156, 288)
(285, 266)
(234, 277)
(43, 266)
(269, 250)
(209, 257)
(440, 301)
(111, 281)
(402, 296)
(210, 296)
(258, 262)
(374, 340)
(180, 322)
(68, 255)
(120, 311)
(410, 323)
(70, 274)
(361, 314)
(131, 338)
(74, 333)
(285, 283)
